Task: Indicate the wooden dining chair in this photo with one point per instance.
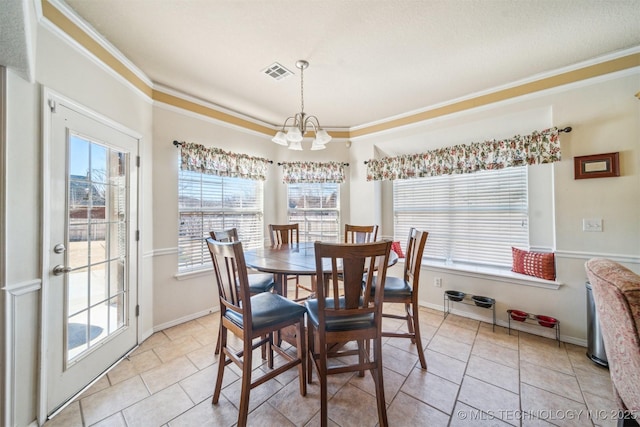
(360, 233)
(255, 320)
(258, 282)
(347, 312)
(404, 290)
(285, 234)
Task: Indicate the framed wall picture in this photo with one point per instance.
(597, 166)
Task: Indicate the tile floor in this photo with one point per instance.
(475, 377)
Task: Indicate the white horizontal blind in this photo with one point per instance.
(210, 202)
(471, 218)
(316, 208)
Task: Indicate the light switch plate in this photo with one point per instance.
(592, 224)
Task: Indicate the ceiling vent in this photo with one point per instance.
(277, 71)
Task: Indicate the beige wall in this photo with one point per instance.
(605, 117)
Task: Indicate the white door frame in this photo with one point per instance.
(6, 398)
(50, 100)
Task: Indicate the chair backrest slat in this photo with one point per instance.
(349, 263)
(413, 257)
(228, 235)
(360, 233)
(230, 272)
(284, 234)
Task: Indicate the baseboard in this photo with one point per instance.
(184, 319)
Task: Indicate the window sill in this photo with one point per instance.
(495, 274)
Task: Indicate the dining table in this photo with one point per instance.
(295, 259)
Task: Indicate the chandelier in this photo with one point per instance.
(301, 123)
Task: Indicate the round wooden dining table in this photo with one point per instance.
(296, 259)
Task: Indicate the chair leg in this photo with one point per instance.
(379, 383)
(243, 410)
(310, 352)
(417, 337)
(322, 378)
(264, 351)
(302, 355)
(222, 340)
(268, 348)
(409, 318)
(362, 349)
(219, 338)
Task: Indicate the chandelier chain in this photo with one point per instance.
(302, 89)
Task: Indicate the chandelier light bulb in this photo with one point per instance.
(296, 145)
(294, 135)
(317, 145)
(280, 138)
(322, 136)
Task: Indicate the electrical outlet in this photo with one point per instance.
(592, 224)
(437, 282)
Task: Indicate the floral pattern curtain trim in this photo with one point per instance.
(214, 161)
(539, 147)
(312, 172)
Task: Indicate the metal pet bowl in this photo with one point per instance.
(484, 302)
(518, 315)
(547, 321)
(455, 295)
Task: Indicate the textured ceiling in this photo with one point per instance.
(369, 60)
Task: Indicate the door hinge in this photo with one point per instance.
(138, 161)
(52, 105)
(137, 235)
(137, 310)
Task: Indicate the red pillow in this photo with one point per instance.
(538, 264)
(395, 247)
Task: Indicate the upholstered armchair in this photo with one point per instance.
(616, 292)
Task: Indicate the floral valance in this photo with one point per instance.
(312, 172)
(214, 161)
(539, 147)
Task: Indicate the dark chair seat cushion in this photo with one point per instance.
(336, 324)
(259, 283)
(269, 309)
(394, 287)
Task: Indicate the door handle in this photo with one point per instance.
(59, 270)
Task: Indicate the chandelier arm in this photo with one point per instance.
(284, 125)
(308, 121)
(317, 123)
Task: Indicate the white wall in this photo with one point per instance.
(605, 116)
(23, 278)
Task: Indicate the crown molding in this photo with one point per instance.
(75, 28)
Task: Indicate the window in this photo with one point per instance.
(471, 218)
(316, 208)
(210, 202)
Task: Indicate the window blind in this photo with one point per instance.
(316, 208)
(471, 218)
(210, 202)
